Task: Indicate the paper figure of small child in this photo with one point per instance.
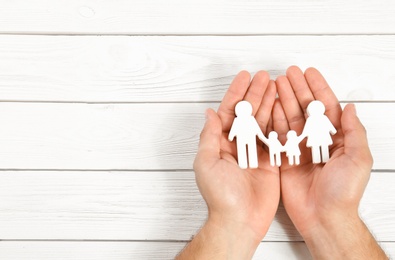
(291, 148)
(275, 149)
(317, 130)
(245, 128)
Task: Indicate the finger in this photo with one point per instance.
(235, 93)
(210, 138)
(280, 122)
(290, 104)
(269, 128)
(265, 109)
(256, 90)
(324, 93)
(355, 138)
(270, 125)
(300, 87)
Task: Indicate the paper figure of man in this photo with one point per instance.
(245, 128)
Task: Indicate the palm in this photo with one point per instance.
(251, 195)
(314, 191)
(254, 192)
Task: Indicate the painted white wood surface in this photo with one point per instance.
(151, 194)
(140, 250)
(174, 69)
(139, 205)
(131, 250)
(198, 17)
(133, 136)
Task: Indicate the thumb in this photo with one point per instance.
(355, 138)
(210, 138)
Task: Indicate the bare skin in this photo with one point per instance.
(321, 199)
(241, 211)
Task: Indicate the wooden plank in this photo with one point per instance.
(184, 69)
(141, 250)
(133, 136)
(140, 206)
(131, 250)
(198, 17)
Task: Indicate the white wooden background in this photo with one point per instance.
(102, 102)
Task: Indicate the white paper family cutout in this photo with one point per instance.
(317, 129)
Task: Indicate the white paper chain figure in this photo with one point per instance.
(291, 148)
(317, 129)
(275, 149)
(245, 128)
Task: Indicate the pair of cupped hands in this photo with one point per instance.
(319, 198)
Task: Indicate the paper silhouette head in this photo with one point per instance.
(291, 134)
(315, 108)
(273, 135)
(243, 108)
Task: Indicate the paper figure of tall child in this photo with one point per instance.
(318, 130)
(275, 148)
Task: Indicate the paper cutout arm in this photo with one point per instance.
(263, 139)
(260, 134)
(232, 132)
(304, 133)
(301, 137)
(332, 129)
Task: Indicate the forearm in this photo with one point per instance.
(343, 239)
(218, 241)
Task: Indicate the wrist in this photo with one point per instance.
(342, 237)
(237, 239)
(330, 225)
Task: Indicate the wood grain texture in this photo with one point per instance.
(133, 136)
(184, 69)
(198, 17)
(140, 206)
(49, 124)
(131, 250)
(141, 250)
